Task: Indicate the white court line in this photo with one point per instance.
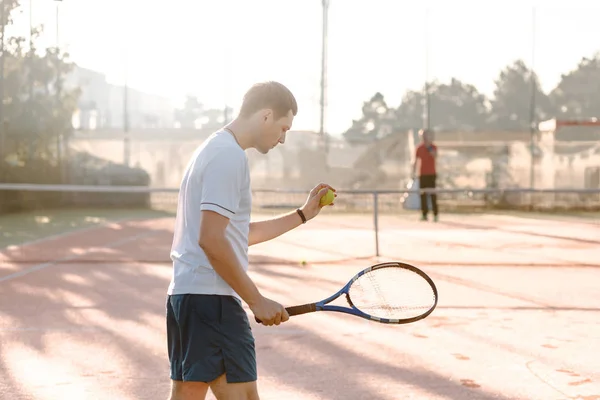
(39, 267)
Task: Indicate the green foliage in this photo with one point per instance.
(511, 106)
(458, 106)
(411, 112)
(376, 122)
(36, 109)
(193, 115)
(189, 115)
(578, 93)
(453, 106)
(37, 112)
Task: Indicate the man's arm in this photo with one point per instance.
(220, 182)
(262, 231)
(414, 167)
(222, 258)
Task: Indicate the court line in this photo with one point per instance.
(508, 264)
(494, 290)
(535, 234)
(552, 261)
(582, 219)
(39, 267)
(521, 308)
(528, 366)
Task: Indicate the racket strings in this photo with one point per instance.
(393, 293)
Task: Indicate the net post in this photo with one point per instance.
(376, 221)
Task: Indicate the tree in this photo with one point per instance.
(188, 117)
(453, 106)
(194, 115)
(376, 122)
(411, 111)
(457, 106)
(214, 118)
(578, 93)
(36, 108)
(511, 106)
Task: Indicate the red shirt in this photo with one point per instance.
(427, 160)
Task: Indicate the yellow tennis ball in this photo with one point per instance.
(327, 198)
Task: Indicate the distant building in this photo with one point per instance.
(101, 105)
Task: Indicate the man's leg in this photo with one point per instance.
(234, 391)
(239, 356)
(188, 390)
(434, 205)
(424, 184)
(194, 344)
(179, 390)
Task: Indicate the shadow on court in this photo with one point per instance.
(87, 324)
(93, 326)
(343, 374)
(500, 326)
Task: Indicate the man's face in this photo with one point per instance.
(273, 131)
(426, 137)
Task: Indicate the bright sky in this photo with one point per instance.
(217, 48)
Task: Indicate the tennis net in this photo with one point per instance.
(22, 197)
(107, 224)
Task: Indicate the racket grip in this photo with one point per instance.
(303, 309)
(297, 310)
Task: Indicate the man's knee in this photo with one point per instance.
(188, 390)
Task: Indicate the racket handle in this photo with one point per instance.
(297, 310)
(303, 309)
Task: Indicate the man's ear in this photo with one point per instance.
(267, 114)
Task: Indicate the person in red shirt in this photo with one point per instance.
(426, 155)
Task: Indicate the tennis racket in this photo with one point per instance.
(390, 293)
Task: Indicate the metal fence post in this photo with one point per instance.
(376, 221)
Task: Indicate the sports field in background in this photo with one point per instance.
(82, 308)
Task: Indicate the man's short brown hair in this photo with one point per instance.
(271, 95)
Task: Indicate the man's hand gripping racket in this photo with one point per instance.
(390, 293)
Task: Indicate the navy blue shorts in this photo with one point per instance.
(209, 335)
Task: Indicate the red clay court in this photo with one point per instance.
(82, 313)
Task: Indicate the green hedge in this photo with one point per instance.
(83, 169)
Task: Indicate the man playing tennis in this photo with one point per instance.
(210, 342)
(426, 154)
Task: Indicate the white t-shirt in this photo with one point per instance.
(217, 178)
